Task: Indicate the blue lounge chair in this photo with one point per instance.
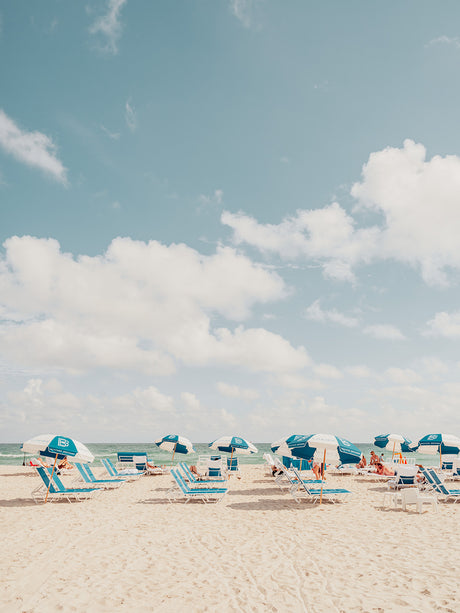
(286, 477)
(181, 490)
(88, 477)
(57, 490)
(305, 491)
(136, 459)
(439, 487)
(129, 474)
(191, 478)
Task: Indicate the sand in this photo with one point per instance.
(258, 550)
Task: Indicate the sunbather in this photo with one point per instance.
(65, 464)
(381, 469)
(362, 463)
(374, 459)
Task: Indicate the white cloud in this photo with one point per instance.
(139, 306)
(130, 116)
(242, 10)
(359, 371)
(444, 324)
(327, 371)
(403, 376)
(216, 198)
(316, 313)
(445, 40)
(111, 135)
(234, 391)
(384, 332)
(416, 199)
(109, 26)
(32, 148)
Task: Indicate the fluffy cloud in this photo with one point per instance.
(242, 10)
(384, 332)
(234, 391)
(418, 204)
(139, 306)
(316, 313)
(444, 324)
(109, 26)
(31, 148)
(130, 116)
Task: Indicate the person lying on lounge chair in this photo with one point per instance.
(65, 464)
(381, 469)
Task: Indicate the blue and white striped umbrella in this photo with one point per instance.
(397, 443)
(175, 444)
(233, 444)
(439, 443)
(321, 447)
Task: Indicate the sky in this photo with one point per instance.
(229, 217)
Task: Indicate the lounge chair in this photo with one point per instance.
(287, 478)
(191, 478)
(233, 467)
(88, 477)
(439, 487)
(303, 490)
(57, 490)
(181, 490)
(136, 459)
(405, 476)
(130, 474)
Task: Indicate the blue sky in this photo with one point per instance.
(229, 216)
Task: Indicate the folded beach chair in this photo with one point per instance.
(181, 490)
(136, 459)
(303, 490)
(191, 478)
(88, 477)
(57, 490)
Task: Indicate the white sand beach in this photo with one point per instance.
(258, 550)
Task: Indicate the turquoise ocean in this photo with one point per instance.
(10, 453)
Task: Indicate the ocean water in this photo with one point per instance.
(10, 453)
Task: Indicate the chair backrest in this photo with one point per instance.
(136, 458)
(180, 482)
(299, 481)
(46, 478)
(89, 472)
(110, 468)
(232, 464)
(268, 458)
(406, 470)
(434, 476)
(187, 472)
(402, 480)
(82, 470)
(60, 487)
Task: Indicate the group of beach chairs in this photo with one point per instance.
(86, 485)
(291, 480)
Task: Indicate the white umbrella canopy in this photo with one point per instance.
(40, 445)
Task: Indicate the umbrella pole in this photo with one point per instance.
(440, 456)
(322, 477)
(393, 454)
(51, 478)
(174, 453)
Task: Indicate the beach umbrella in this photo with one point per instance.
(233, 444)
(277, 444)
(439, 443)
(175, 444)
(321, 447)
(57, 447)
(396, 443)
